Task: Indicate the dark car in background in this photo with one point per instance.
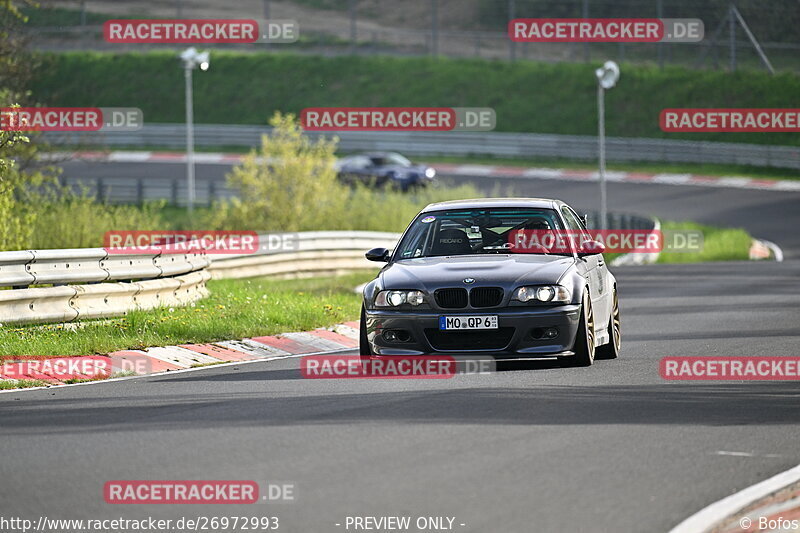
(457, 284)
(382, 168)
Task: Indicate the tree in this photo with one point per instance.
(289, 184)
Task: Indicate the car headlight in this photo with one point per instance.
(398, 298)
(430, 173)
(544, 293)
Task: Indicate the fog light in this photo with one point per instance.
(544, 333)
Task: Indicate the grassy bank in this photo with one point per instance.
(719, 244)
(246, 88)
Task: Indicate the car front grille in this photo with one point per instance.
(451, 298)
(485, 296)
(495, 339)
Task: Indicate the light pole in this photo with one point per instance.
(607, 77)
(191, 60)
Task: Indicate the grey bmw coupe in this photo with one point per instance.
(463, 280)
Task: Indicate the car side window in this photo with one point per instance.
(578, 218)
(417, 241)
(574, 224)
(365, 162)
(571, 220)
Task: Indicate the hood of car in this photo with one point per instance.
(505, 270)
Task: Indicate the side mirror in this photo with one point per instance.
(378, 254)
(591, 248)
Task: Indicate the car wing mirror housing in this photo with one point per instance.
(591, 248)
(378, 254)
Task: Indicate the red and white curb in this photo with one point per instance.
(496, 171)
(185, 356)
(744, 510)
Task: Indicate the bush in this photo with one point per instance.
(288, 184)
(65, 219)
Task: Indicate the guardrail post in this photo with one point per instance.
(140, 191)
(174, 192)
(212, 192)
(101, 191)
(512, 48)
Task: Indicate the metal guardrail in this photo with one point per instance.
(91, 283)
(313, 253)
(102, 300)
(461, 143)
(91, 265)
(620, 221)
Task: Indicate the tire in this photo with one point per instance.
(363, 342)
(584, 347)
(611, 350)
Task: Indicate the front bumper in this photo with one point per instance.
(515, 338)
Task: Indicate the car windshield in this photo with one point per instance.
(390, 159)
(473, 231)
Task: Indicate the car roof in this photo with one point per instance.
(479, 203)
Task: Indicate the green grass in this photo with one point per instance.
(719, 244)
(235, 309)
(49, 17)
(247, 87)
(6, 384)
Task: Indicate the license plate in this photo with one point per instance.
(447, 323)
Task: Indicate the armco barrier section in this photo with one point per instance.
(315, 253)
(101, 300)
(91, 265)
(91, 283)
(582, 147)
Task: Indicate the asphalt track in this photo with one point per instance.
(530, 448)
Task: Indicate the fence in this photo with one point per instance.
(457, 28)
